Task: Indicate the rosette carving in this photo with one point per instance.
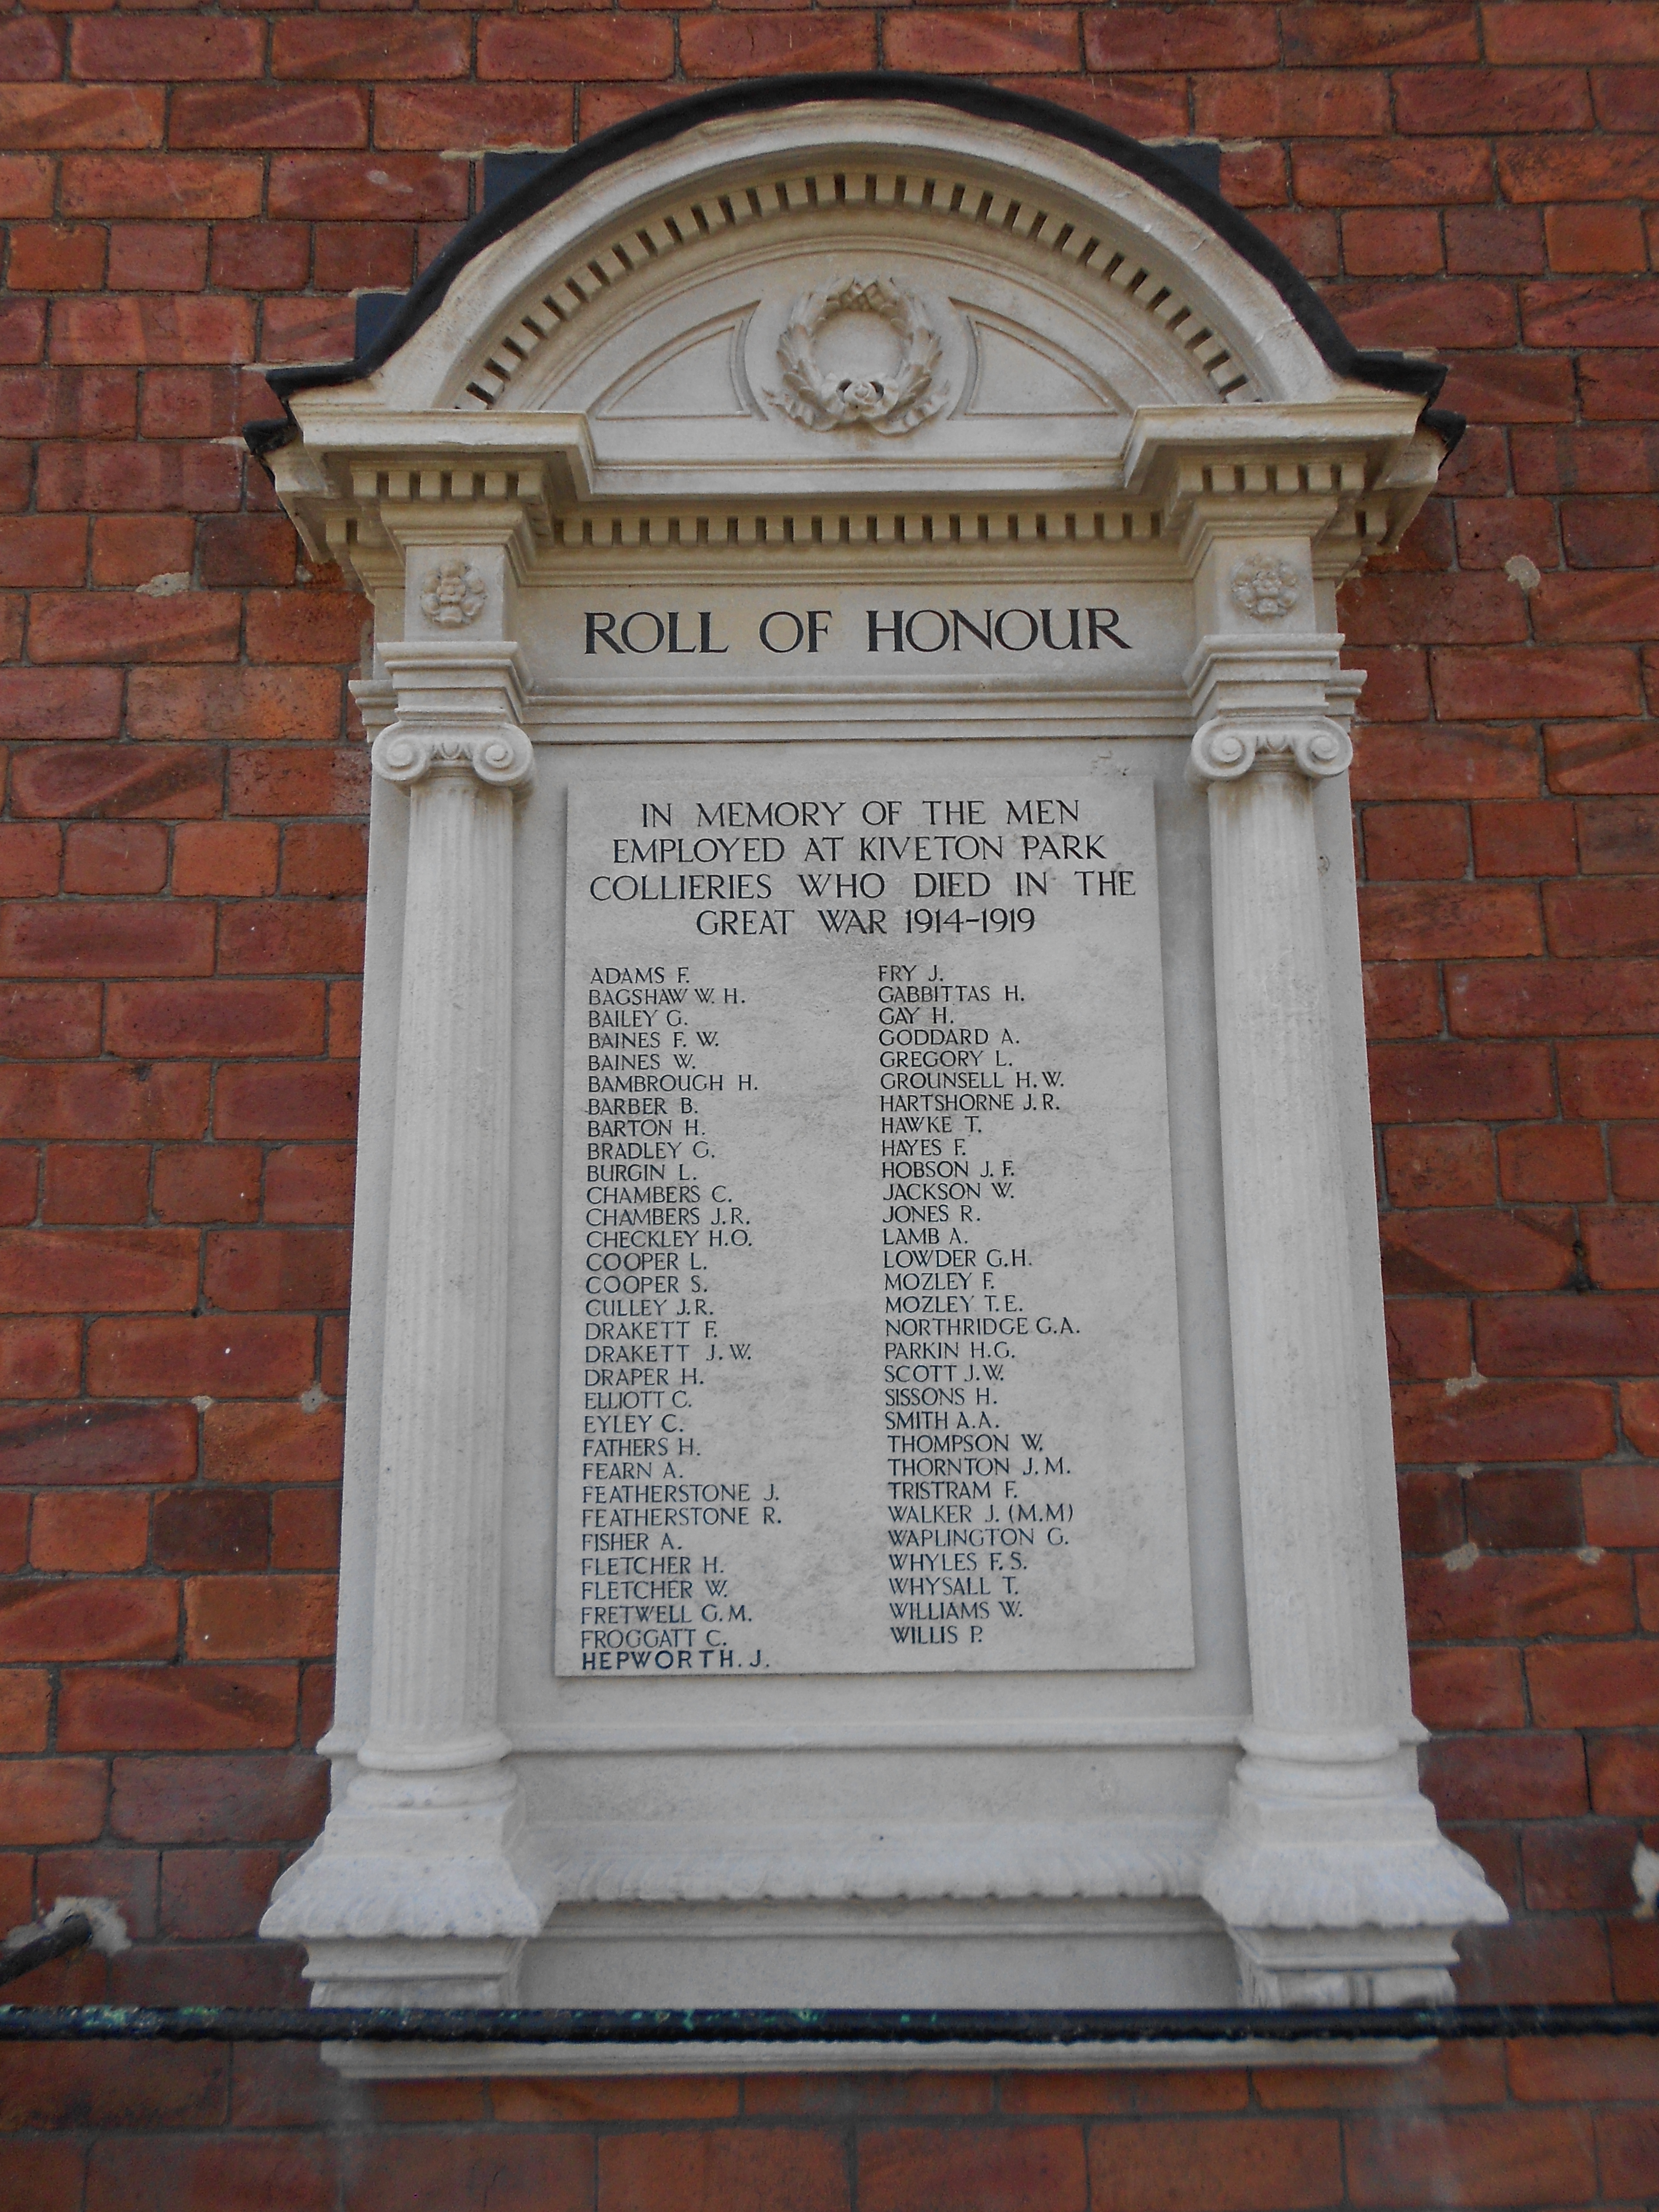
(453, 594)
(1264, 586)
(892, 404)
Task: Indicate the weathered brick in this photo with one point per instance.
(1572, 1335)
(97, 1443)
(1524, 837)
(271, 1100)
(260, 1617)
(572, 48)
(1504, 682)
(36, 550)
(169, 186)
(290, 936)
(273, 1443)
(549, 2172)
(262, 115)
(1213, 2166)
(115, 857)
(31, 858)
(235, 704)
(191, 626)
(108, 1619)
(88, 937)
(32, 116)
(137, 328)
(90, 1183)
(39, 1359)
(214, 1019)
(1525, 1509)
(1525, 1776)
(1501, 2159)
(410, 186)
(1391, 172)
(1580, 166)
(434, 116)
(1388, 35)
(191, 1708)
(273, 1270)
(47, 1801)
(1595, 238)
(1593, 1685)
(202, 479)
(89, 1531)
(157, 49)
(247, 1800)
(1633, 1153)
(1438, 921)
(304, 1530)
(207, 1894)
(156, 2175)
(226, 1355)
(1518, 1599)
(76, 703)
(1458, 1249)
(1427, 1337)
(1521, 1419)
(207, 1183)
(359, 48)
(1506, 99)
(1454, 1082)
(1445, 760)
(197, 1528)
(1480, 1689)
(1561, 1160)
(1588, 997)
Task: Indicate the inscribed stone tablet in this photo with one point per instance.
(870, 1355)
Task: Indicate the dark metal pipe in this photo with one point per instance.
(72, 1933)
(671, 2030)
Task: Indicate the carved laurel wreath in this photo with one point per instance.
(452, 594)
(888, 405)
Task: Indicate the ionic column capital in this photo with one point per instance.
(500, 756)
(1227, 747)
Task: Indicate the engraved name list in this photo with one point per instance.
(869, 1342)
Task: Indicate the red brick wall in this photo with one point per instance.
(192, 193)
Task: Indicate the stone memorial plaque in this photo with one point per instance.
(818, 534)
(870, 1354)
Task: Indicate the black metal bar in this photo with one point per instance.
(670, 2030)
(72, 1933)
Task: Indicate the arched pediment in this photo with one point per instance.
(890, 287)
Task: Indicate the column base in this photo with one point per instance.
(416, 1903)
(1338, 1888)
(1283, 1969)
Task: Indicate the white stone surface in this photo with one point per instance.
(700, 453)
(870, 1349)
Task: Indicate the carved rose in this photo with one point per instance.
(889, 405)
(452, 594)
(1264, 586)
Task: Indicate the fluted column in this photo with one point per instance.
(1329, 1867)
(437, 1572)
(1314, 1644)
(420, 1889)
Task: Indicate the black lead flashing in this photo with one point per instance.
(673, 2031)
(389, 327)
